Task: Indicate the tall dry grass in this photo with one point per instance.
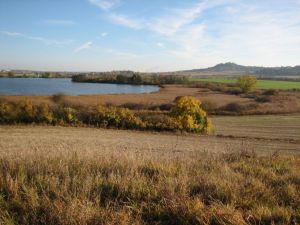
(79, 187)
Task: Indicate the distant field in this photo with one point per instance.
(261, 84)
(269, 127)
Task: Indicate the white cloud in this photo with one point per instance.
(86, 45)
(46, 41)
(60, 22)
(104, 4)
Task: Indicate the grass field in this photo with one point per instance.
(247, 174)
(57, 175)
(261, 84)
(270, 127)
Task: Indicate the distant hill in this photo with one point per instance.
(232, 68)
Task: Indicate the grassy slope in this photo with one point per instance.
(261, 84)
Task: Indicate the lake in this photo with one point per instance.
(40, 86)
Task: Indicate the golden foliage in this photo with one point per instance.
(191, 116)
(247, 83)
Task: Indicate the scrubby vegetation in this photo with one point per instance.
(80, 188)
(186, 115)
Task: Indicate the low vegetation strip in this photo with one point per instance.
(186, 115)
(40, 187)
(261, 84)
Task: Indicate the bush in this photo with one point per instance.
(64, 115)
(166, 107)
(209, 106)
(188, 112)
(161, 122)
(234, 90)
(263, 99)
(26, 112)
(271, 92)
(233, 107)
(44, 115)
(134, 106)
(247, 83)
(58, 98)
(7, 113)
(115, 117)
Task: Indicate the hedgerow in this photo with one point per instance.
(186, 115)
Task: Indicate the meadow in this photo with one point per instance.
(56, 175)
(261, 84)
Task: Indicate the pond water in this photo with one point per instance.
(40, 86)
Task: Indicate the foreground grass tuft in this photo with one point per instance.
(80, 188)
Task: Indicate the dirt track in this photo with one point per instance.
(18, 139)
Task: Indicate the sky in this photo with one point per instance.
(147, 36)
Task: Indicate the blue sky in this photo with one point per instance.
(142, 35)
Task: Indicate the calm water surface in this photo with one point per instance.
(40, 86)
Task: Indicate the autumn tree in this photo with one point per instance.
(247, 83)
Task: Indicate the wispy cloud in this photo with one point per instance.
(195, 33)
(12, 34)
(125, 21)
(104, 4)
(59, 22)
(86, 45)
(46, 41)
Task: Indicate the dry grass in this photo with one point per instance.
(114, 187)
(251, 104)
(19, 139)
(166, 95)
(282, 127)
(59, 175)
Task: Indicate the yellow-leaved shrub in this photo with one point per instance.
(116, 117)
(188, 112)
